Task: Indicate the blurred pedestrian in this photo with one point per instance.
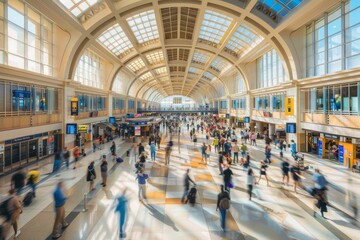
(263, 168)
(113, 150)
(153, 151)
(33, 179)
(18, 181)
(104, 172)
(250, 180)
(76, 154)
(59, 204)
(15, 208)
(223, 204)
(296, 175)
(66, 155)
(285, 167)
(91, 176)
(121, 207)
(187, 181)
(142, 177)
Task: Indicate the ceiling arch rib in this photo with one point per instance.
(186, 31)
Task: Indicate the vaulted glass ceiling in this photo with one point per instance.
(183, 49)
(78, 7)
(115, 40)
(214, 26)
(281, 7)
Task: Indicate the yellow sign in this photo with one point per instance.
(74, 110)
(83, 128)
(289, 106)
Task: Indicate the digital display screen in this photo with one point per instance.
(137, 131)
(246, 119)
(130, 115)
(71, 128)
(290, 127)
(111, 119)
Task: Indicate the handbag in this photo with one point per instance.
(230, 185)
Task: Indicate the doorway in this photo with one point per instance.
(2, 163)
(33, 150)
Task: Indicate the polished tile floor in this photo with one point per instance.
(278, 213)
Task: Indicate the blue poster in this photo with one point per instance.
(341, 154)
(320, 149)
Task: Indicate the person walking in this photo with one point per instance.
(121, 207)
(203, 153)
(215, 143)
(293, 148)
(320, 183)
(167, 154)
(158, 141)
(296, 175)
(223, 204)
(142, 177)
(104, 171)
(221, 163)
(253, 139)
(194, 139)
(91, 176)
(250, 180)
(285, 167)
(33, 179)
(141, 148)
(15, 209)
(320, 202)
(227, 178)
(263, 168)
(18, 181)
(57, 161)
(76, 156)
(66, 155)
(187, 181)
(153, 151)
(235, 150)
(113, 150)
(59, 203)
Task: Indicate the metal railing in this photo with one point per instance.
(177, 109)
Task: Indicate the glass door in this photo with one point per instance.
(24, 150)
(33, 150)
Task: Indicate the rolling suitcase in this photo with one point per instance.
(192, 195)
(119, 160)
(28, 198)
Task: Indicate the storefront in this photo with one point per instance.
(328, 146)
(22, 151)
(312, 139)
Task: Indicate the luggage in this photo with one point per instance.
(28, 199)
(119, 160)
(128, 153)
(192, 195)
(4, 210)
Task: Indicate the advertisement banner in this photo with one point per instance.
(137, 131)
(289, 106)
(74, 106)
(341, 154)
(83, 128)
(320, 149)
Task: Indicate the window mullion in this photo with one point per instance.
(326, 45)
(343, 42)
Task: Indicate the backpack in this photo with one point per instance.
(224, 203)
(4, 210)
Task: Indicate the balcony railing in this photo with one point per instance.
(214, 110)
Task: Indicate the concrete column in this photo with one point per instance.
(249, 107)
(68, 92)
(110, 104)
(259, 127)
(271, 130)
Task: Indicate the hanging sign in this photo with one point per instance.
(289, 106)
(74, 106)
(83, 128)
(341, 154)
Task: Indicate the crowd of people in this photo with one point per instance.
(232, 150)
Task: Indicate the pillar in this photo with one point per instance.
(271, 130)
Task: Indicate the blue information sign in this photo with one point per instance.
(71, 128)
(341, 154)
(246, 119)
(227, 116)
(111, 119)
(320, 149)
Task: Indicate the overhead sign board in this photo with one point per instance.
(289, 106)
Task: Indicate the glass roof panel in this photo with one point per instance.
(193, 70)
(144, 26)
(155, 57)
(78, 7)
(281, 7)
(200, 57)
(214, 26)
(136, 65)
(243, 40)
(208, 76)
(220, 65)
(115, 40)
(161, 71)
(146, 76)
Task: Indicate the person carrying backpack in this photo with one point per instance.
(223, 204)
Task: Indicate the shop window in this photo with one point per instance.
(354, 96)
(319, 99)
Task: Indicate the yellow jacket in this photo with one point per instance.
(35, 174)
